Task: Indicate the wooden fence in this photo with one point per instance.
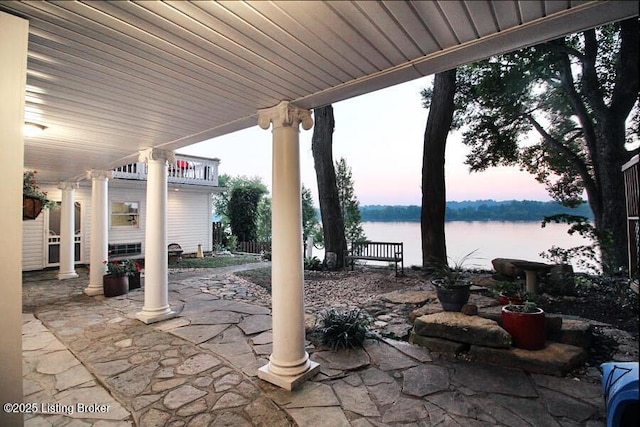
(217, 234)
(631, 174)
(254, 247)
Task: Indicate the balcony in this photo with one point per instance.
(186, 170)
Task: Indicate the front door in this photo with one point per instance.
(53, 237)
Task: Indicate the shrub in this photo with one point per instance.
(313, 264)
(343, 329)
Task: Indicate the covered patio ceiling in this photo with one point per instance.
(110, 78)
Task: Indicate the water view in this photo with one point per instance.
(490, 239)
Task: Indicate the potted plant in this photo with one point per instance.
(133, 269)
(116, 281)
(33, 199)
(452, 285)
(526, 325)
(509, 292)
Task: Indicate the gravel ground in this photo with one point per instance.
(610, 304)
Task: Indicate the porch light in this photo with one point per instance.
(33, 129)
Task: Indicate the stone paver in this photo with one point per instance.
(199, 369)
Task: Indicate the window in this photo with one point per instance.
(124, 249)
(124, 214)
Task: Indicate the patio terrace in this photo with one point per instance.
(201, 367)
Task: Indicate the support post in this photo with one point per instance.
(13, 78)
(99, 230)
(289, 364)
(156, 269)
(67, 268)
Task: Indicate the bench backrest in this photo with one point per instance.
(376, 249)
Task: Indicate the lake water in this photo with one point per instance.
(490, 239)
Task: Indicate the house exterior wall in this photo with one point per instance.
(189, 220)
(189, 223)
(33, 237)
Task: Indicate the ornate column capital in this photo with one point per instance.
(99, 174)
(156, 154)
(284, 115)
(68, 185)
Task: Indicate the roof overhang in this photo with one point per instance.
(110, 78)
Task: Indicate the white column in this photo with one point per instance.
(67, 268)
(289, 364)
(99, 230)
(13, 78)
(156, 270)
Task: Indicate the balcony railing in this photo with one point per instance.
(186, 170)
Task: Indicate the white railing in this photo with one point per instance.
(186, 170)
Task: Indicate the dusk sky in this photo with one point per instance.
(381, 137)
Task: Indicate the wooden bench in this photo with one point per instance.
(174, 251)
(376, 251)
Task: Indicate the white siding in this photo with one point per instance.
(34, 232)
(33, 244)
(189, 220)
(189, 223)
(128, 234)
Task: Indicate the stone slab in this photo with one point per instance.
(386, 357)
(255, 324)
(493, 379)
(417, 352)
(409, 297)
(355, 399)
(319, 417)
(573, 332)
(555, 359)
(458, 327)
(439, 345)
(199, 333)
(344, 360)
(422, 380)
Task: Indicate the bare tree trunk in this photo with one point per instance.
(332, 221)
(434, 248)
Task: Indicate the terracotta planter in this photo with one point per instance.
(31, 207)
(115, 285)
(452, 298)
(134, 281)
(528, 330)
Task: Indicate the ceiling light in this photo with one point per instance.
(33, 129)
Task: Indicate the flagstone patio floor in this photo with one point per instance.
(88, 361)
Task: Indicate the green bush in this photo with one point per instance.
(343, 329)
(313, 264)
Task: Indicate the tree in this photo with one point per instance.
(576, 93)
(309, 220)
(263, 220)
(440, 103)
(321, 147)
(349, 205)
(221, 200)
(243, 210)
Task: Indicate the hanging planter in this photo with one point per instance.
(31, 207)
(33, 199)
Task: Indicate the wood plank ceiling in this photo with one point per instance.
(110, 78)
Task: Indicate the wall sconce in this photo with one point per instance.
(33, 129)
